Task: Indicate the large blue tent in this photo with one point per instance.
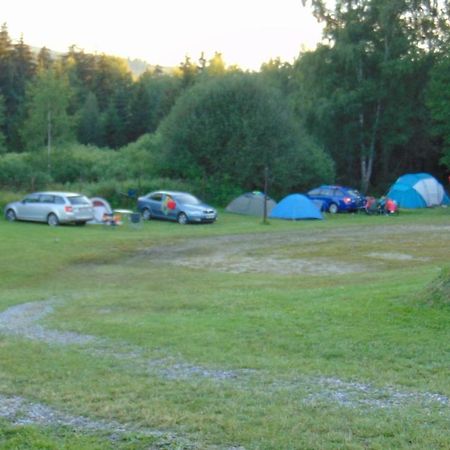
(296, 207)
(418, 190)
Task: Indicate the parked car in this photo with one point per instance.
(51, 207)
(337, 198)
(177, 206)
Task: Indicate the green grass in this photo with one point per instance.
(311, 352)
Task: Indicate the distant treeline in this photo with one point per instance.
(363, 109)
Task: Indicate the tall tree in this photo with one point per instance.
(89, 126)
(162, 91)
(216, 65)
(48, 121)
(24, 70)
(141, 112)
(6, 81)
(44, 59)
(373, 43)
(438, 100)
(188, 71)
(2, 121)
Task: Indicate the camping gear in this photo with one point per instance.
(296, 207)
(384, 205)
(391, 206)
(419, 190)
(251, 204)
(101, 209)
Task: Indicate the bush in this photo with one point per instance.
(17, 171)
(9, 196)
(227, 130)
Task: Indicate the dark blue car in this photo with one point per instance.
(177, 206)
(337, 198)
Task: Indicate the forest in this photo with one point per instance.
(370, 103)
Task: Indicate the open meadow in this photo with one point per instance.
(330, 334)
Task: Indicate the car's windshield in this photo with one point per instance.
(187, 199)
(79, 200)
(354, 192)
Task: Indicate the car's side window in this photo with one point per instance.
(46, 199)
(59, 200)
(327, 192)
(338, 193)
(156, 197)
(31, 199)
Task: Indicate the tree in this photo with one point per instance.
(141, 112)
(6, 83)
(189, 72)
(154, 95)
(373, 45)
(44, 59)
(216, 65)
(24, 70)
(227, 130)
(438, 101)
(89, 130)
(48, 121)
(2, 120)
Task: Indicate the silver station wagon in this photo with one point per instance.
(51, 207)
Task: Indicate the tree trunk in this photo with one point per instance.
(368, 155)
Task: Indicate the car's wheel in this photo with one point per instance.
(10, 215)
(333, 208)
(52, 220)
(146, 214)
(182, 219)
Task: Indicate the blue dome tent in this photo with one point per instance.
(296, 207)
(418, 190)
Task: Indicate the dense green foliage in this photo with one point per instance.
(372, 98)
(367, 86)
(226, 131)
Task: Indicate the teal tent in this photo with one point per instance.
(418, 190)
(296, 207)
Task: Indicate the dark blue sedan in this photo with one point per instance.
(181, 207)
(337, 198)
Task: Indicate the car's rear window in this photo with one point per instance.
(79, 200)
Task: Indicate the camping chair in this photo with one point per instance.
(135, 220)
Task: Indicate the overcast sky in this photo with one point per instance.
(246, 32)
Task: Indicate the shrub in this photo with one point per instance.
(17, 171)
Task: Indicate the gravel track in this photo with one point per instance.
(22, 321)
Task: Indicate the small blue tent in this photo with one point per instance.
(295, 207)
(418, 190)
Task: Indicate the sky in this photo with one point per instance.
(163, 32)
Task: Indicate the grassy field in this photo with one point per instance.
(326, 334)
